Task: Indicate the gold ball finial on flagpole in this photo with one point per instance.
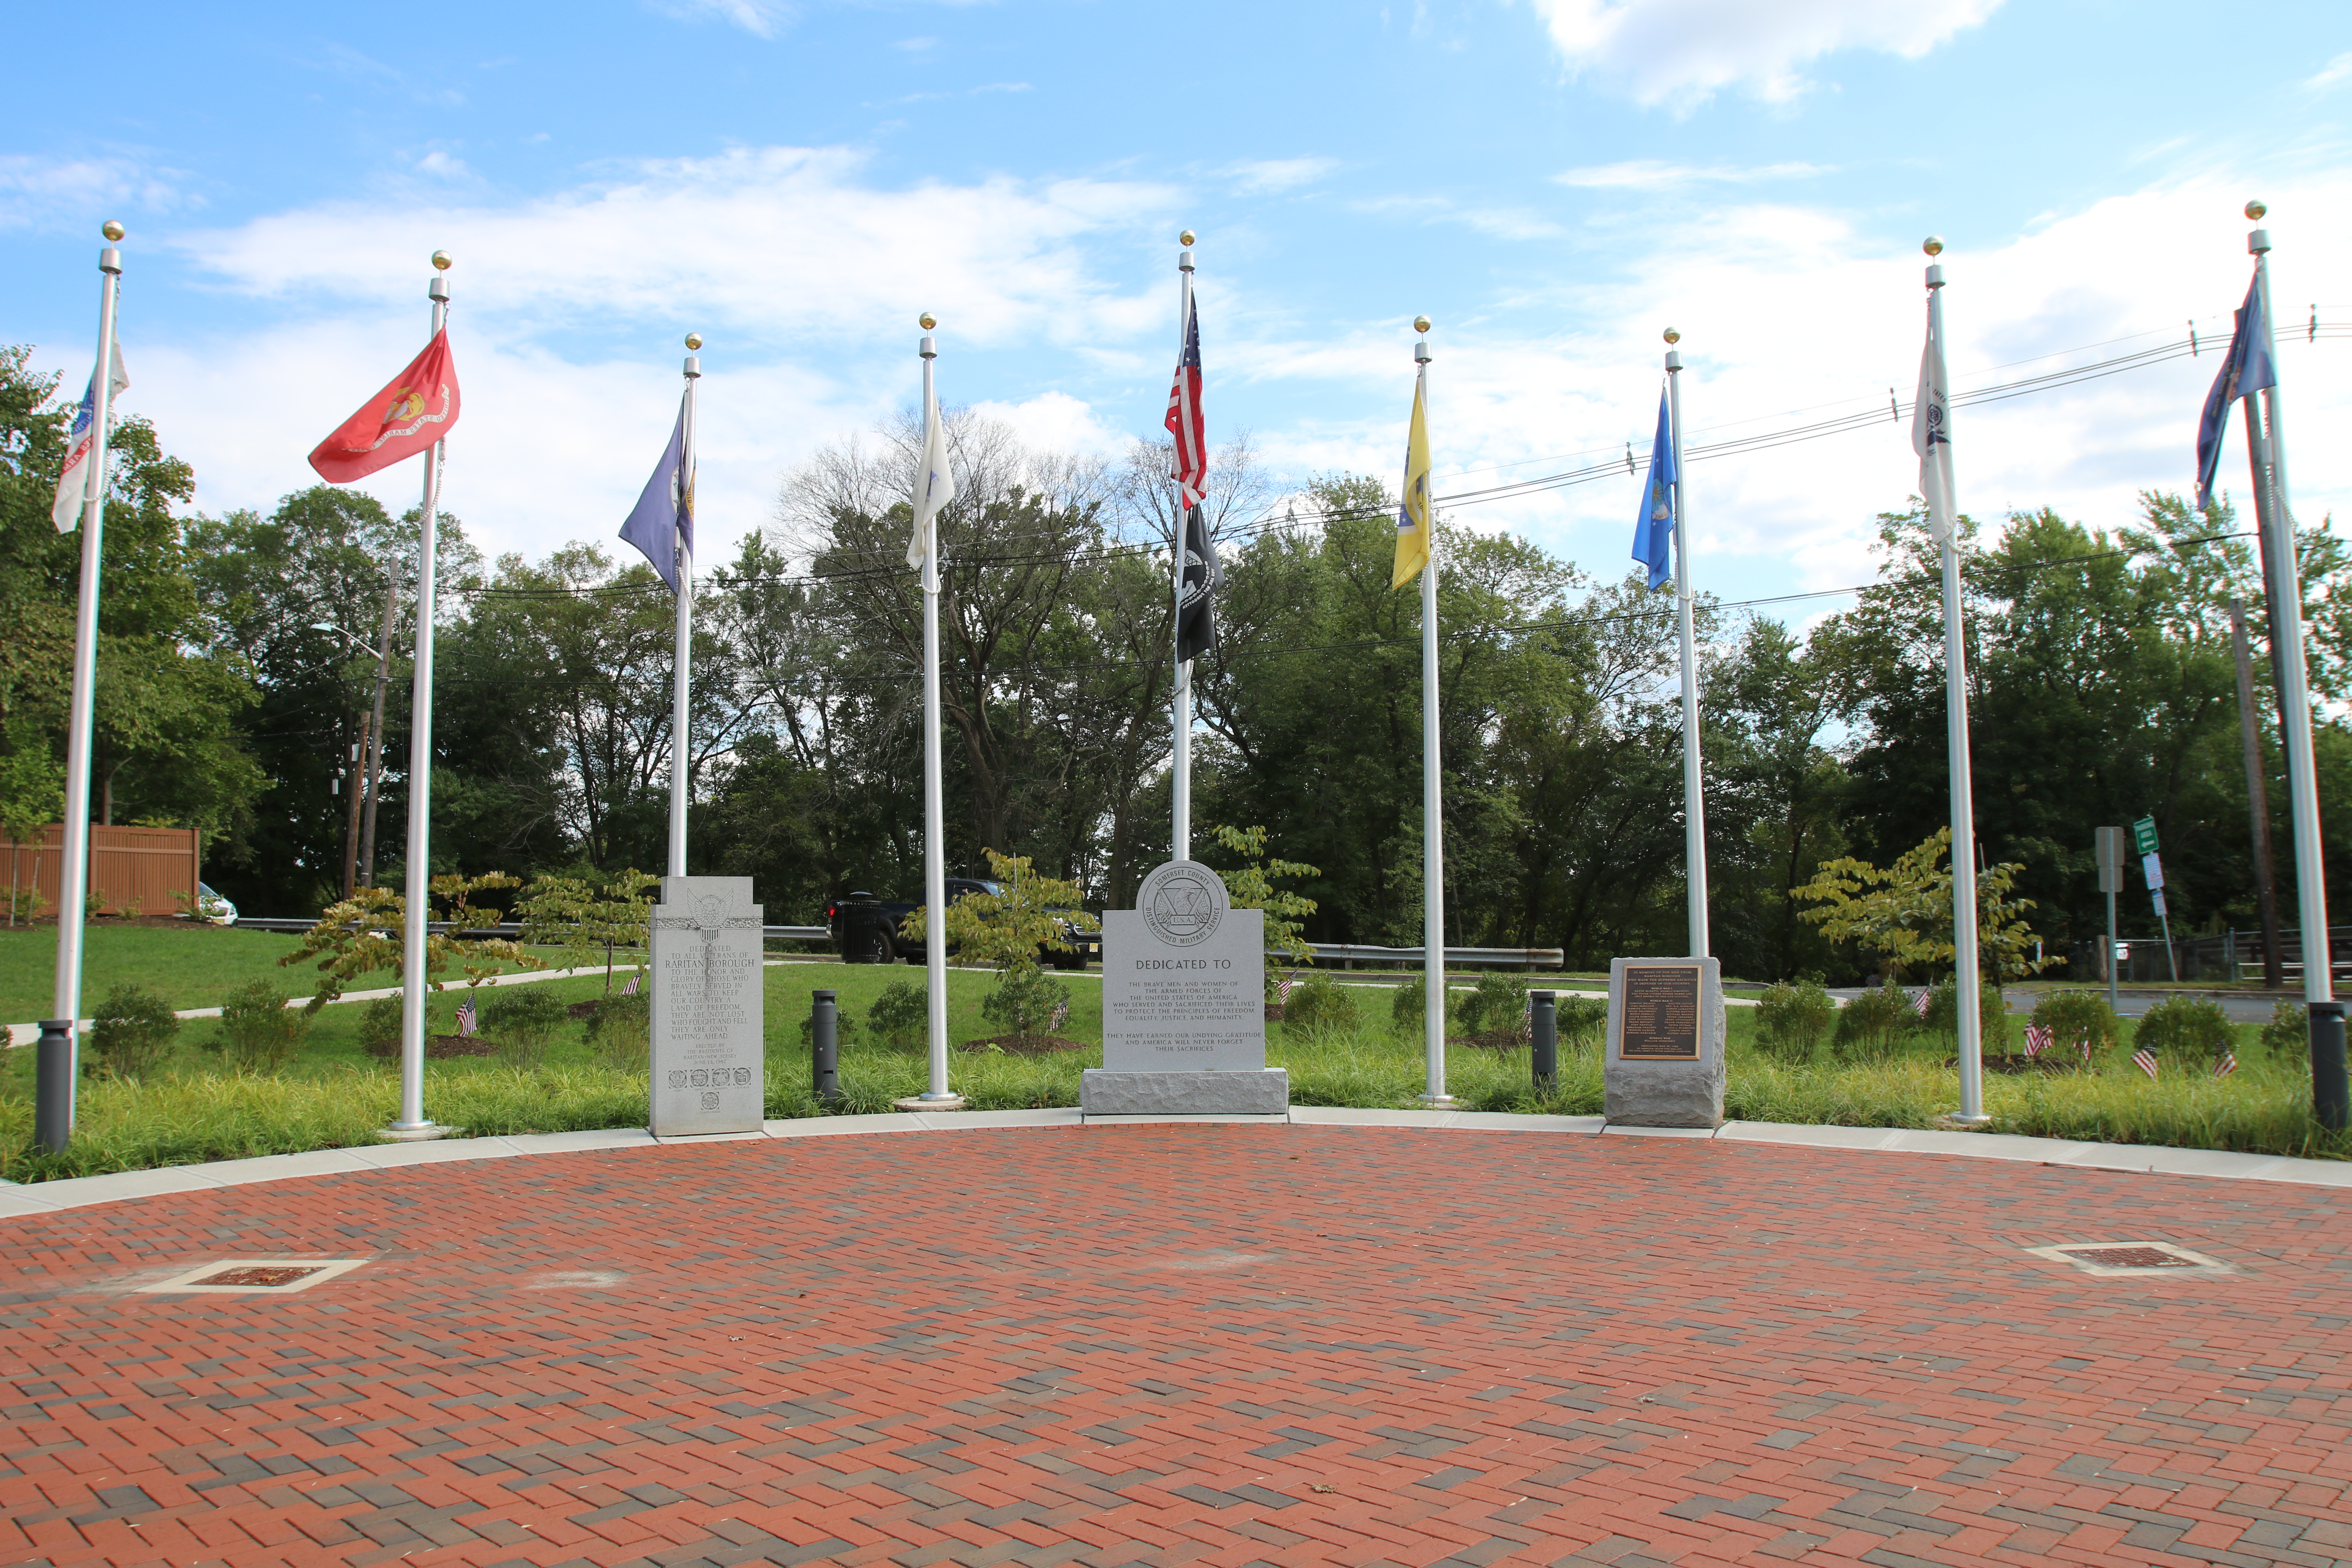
(443, 261)
(1421, 323)
(111, 230)
(1185, 238)
(926, 320)
(694, 340)
(1933, 244)
(1673, 336)
(2254, 210)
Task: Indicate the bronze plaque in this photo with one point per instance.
(1660, 1022)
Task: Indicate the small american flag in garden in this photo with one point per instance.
(630, 988)
(2037, 1040)
(1061, 1016)
(2226, 1065)
(2082, 1044)
(466, 1018)
(1284, 987)
(2144, 1059)
(1919, 1004)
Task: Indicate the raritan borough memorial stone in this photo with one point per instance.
(1664, 1066)
(1184, 1004)
(707, 1055)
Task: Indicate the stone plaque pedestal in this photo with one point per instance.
(709, 1056)
(1184, 1006)
(1664, 1061)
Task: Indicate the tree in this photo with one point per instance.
(367, 933)
(1007, 929)
(1903, 913)
(1251, 886)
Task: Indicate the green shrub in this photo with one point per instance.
(257, 1028)
(523, 1019)
(2288, 1034)
(1498, 1005)
(901, 1016)
(1943, 1016)
(1872, 1025)
(1582, 1020)
(1405, 1005)
(2074, 1017)
(131, 1031)
(621, 1030)
(2185, 1029)
(1023, 1001)
(1318, 1006)
(1793, 1017)
(379, 1027)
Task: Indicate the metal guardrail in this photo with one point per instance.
(509, 928)
(1468, 957)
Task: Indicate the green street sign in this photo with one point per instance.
(2144, 836)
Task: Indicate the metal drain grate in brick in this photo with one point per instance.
(265, 1277)
(2129, 1258)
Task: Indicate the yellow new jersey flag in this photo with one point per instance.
(1414, 517)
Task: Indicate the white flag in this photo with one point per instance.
(1931, 434)
(934, 485)
(73, 483)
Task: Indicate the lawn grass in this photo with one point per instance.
(189, 966)
(331, 1094)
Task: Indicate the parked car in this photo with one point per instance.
(866, 930)
(210, 908)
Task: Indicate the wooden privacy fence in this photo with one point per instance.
(127, 865)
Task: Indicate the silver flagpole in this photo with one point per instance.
(2324, 1018)
(682, 657)
(1433, 815)
(73, 871)
(419, 899)
(1965, 978)
(1181, 831)
(1694, 786)
(938, 1097)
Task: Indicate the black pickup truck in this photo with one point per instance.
(867, 929)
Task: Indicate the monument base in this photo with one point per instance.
(1263, 1091)
(1663, 1066)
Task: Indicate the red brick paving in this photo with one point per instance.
(1205, 1345)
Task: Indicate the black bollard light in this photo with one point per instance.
(1543, 1031)
(825, 1046)
(53, 1084)
(2331, 1095)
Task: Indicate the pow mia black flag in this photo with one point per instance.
(1196, 626)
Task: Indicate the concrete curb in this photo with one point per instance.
(53, 1197)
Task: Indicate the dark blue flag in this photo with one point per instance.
(664, 517)
(1654, 532)
(2247, 370)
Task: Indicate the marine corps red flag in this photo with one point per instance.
(418, 408)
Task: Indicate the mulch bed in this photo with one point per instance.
(1027, 1045)
(441, 1048)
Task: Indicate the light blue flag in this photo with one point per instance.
(1654, 532)
(664, 517)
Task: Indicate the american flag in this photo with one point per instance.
(466, 1017)
(1185, 421)
(1284, 986)
(2037, 1040)
(2082, 1044)
(2226, 1065)
(1919, 1004)
(1061, 1016)
(630, 988)
(2144, 1059)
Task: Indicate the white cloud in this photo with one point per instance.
(1666, 48)
(1652, 174)
(760, 18)
(45, 193)
(1260, 176)
(1056, 422)
(804, 275)
(2336, 70)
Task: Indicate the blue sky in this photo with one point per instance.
(1553, 181)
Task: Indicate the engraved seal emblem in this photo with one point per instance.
(1183, 903)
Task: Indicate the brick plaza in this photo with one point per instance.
(1186, 1344)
